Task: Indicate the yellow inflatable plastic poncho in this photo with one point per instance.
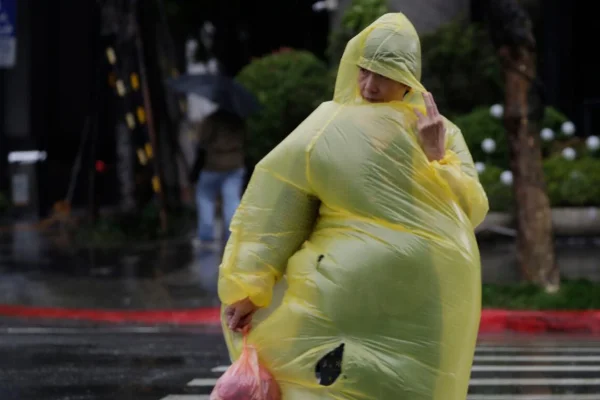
(347, 234)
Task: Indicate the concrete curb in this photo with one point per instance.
(525, 321)
(492, 320)
(200, 316)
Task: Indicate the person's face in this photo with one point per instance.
(376, 88)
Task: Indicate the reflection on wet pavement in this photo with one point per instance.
(43, 271)
(128, 363)
(168, 274)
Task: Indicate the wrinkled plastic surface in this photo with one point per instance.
(246, 379)
(364, 243)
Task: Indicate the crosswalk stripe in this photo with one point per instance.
(489, 381)
(536, 368)
(491, 349)
(478, 382)
(533, 397)
(534, 382)
(187, 397)
(538, 358)
(220, 368)
(488, 360)
(470, 397)
(502, 368)
(203, 382)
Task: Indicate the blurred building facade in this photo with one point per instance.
(48, 93)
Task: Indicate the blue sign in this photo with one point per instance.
(8, 33)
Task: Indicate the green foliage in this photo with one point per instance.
(358, 15)
(289, 86)
(573, 183)
(573, 295)
(500, 196)
(569, 183)
(553, 119)
(460, 67)
(480, 124)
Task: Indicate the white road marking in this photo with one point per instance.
(538, 350)
(533, 397)
(534, 382)
(203, 382)
(537, 358)
(536, 368)
(541, 355)
(187, 397)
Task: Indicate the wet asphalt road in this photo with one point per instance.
(74, 363)
(150, 363)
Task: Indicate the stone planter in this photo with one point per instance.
(576, 221)
(567, 221)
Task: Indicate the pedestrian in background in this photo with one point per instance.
(219, 169)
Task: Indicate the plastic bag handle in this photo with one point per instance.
(245, 333)
(255, 362)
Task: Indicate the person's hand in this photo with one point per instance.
(432, 132)
(239, 315)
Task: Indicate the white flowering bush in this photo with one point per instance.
(485, 135)
(573, 183)
(571, 164)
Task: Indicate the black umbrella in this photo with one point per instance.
(221, 90)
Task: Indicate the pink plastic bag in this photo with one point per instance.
(246, 379)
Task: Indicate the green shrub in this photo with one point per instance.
(573, 295)
(289, 86)
(480, 124)
(460, 67)
(500, 196)
(573, 183)
(553, 119)
(358, 15)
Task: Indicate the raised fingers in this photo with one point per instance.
(432, 109)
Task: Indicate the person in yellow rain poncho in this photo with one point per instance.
(353, 252)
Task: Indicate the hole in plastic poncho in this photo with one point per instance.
(348, 234)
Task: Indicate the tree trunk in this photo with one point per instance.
(511, 32)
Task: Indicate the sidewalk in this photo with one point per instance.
(36, 271)
(166, 282)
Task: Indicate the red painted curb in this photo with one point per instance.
(201, 316)
(495, 321)
(492, 321)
